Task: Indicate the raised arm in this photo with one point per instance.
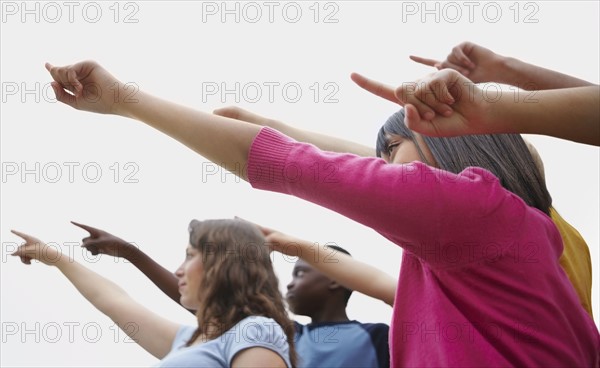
(221, 140)
(342, 268)
(324, 142)
(481, 65)
(102, 242)
(446, 103)
(152, 332)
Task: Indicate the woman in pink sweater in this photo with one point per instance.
(480, 283)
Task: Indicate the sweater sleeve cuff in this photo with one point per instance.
(267, 160)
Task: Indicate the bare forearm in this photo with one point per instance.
(324, 142)
(166, 281)
(531, 77)
(347, 271)
(572, 114)
(99, 291)
(150, 331)
(221, 140)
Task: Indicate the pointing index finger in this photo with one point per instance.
(425, 61)
(25, 237)
(376, 88)
(92, 230)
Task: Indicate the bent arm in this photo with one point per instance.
(152, 332)
(342, 268)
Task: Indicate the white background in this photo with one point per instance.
(170, 51)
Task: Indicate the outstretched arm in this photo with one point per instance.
(221, 140)
(152, 332)
(324, 142)
(446, 103)
(102, 242)
(342, 268)
(481, 65)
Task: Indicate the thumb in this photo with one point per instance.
(63, 96)
(25, 260)
(92, 249)
(414, 122)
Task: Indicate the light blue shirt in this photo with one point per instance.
(342, 344)
(253, 331)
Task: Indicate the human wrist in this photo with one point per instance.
(509, 70)
(126, 100)
(274, 124)
(289, 245)
(129, 252)
(501, 116)
(61, 262)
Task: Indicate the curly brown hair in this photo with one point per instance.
(238, 281)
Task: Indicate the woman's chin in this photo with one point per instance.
(187, 304)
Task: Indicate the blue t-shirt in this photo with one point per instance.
(342, 344)
(253, 331)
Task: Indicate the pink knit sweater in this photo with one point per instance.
(480, 283)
